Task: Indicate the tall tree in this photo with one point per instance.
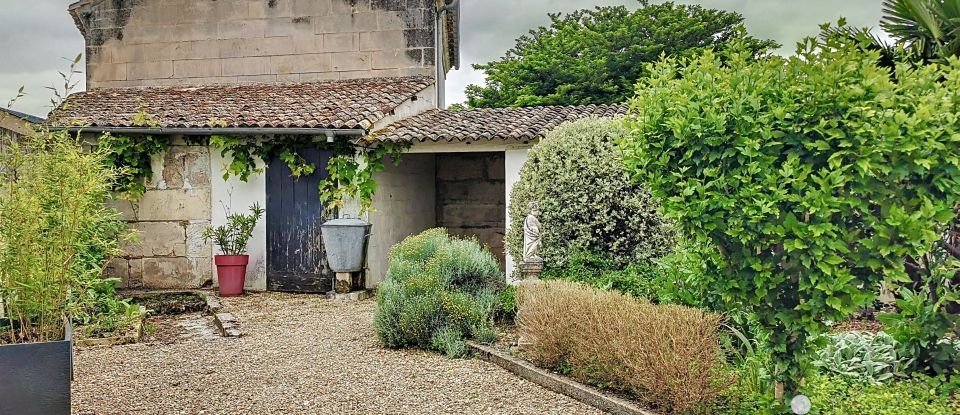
(929, 28)
(596, 56)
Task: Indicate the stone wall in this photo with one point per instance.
(169, 251)
(201, 42)
(405, 205)
(471, 197)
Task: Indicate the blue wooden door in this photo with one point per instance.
(296, 261)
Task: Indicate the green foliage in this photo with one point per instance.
(508, 303)
(349, 173)
(587, 201)
(835, 396)
(131, 157)
(450, 342)
(812, 176)
(56, 234)
(596, 56)
(862, 356)
(922, 323)
(232, 238)
(439, 289)
(676, 278)
(929, 28)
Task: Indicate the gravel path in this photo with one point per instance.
(298, 355)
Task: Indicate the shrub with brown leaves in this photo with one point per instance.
(667, 356)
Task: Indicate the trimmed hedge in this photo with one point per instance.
(587, 201)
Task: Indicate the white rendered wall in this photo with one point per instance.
(405, 204)
(514, 161)
(237, 196)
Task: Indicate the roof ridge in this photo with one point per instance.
(23, 116)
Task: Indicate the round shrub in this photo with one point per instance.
(588, 203)
(439, 290)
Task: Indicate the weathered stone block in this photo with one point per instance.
(350, 6)
(266, 8)
(351, 61)
(157, 239)
(200, 49)
(108, 71)
(403, 19)
(472, 191)
(270, 46)
(341, 42)
(307, 43)
(118, 268)
(473, 215)
(343, 23)
(247, 66)
(151, 70)
(312, 7)
(381, 40)
(166, 273)
(198, 68)
(496, 168)
(242, 29)
(287, 26)
(172, 205)
(197, 245)
(202, 272)
(136, 273)
(391, 59)
(181, 167)
(302, 63)
(456, 167)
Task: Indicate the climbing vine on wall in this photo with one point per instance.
(131, 156)
(350, 170)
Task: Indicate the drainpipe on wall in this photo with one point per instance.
(439, 58)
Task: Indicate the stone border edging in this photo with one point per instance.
(226, 323)
(559, 384)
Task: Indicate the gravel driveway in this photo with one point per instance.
(298, 355)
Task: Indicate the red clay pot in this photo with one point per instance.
(231, 270)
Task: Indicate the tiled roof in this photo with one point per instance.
(338, 104)
(528, 123)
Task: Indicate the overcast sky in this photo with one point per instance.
(35, 35)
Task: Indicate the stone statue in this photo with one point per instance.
(531, 234)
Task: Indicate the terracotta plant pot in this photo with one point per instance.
(231, 270)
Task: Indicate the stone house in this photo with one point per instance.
(366, 71)
(14, 123)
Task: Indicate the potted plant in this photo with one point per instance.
(53, 238)
(232, 239)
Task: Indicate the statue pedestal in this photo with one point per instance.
(531, 268)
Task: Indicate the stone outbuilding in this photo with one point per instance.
(15, 124)
(364, 72)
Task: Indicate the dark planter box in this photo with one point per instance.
(35, 378)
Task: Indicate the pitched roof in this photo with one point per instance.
(529, 123)
(349, 104)
(26, 117)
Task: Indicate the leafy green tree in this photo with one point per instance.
(813, 176)
(597, 56)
